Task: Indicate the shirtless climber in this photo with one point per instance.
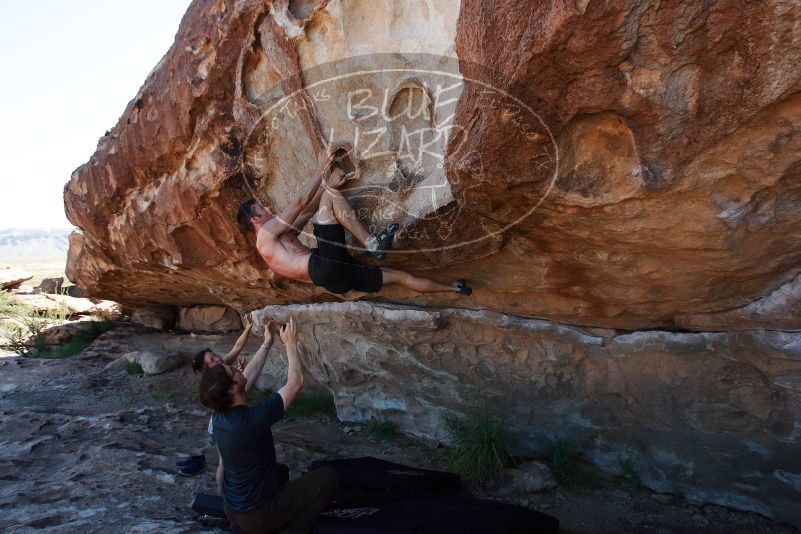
(328, 265)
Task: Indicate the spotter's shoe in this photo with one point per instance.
(193, 468)
(189, 460)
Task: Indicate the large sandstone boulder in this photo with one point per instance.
(712, 416)
(51, 285)
(152, 363)
(623, 164)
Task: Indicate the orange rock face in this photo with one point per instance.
(625, 164)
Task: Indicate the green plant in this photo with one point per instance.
(417, 444)
(9, 305)
(58, 315)
(35, 324)
(313, 404)
(479, 450)
(564, 466)
(133, 368)
(381, 430)
(98, 326)
(17, 338)
(628, 468)
(89, 331)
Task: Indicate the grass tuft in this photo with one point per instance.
(79, 342)
(17, 338)
(479, 450)
(133, 368)
(313, 404)
(564, 466)
(9, 305)
(628, 467)
(381, 430)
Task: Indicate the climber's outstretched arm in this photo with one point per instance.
(231, 357)
(287, 219)
(302, 220)
(255, 366)
(336, 179)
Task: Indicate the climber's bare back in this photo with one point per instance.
(285, 254)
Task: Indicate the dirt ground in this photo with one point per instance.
(83, 449)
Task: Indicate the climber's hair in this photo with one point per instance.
(214, 385)
(200, 360)
(244, 214)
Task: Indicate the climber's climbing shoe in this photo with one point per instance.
(461, 287)
(379, 244)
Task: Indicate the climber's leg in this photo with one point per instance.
(423, 285)
(335, 209)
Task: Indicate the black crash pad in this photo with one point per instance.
(413, 514)
(434, 515)
(372, 474)
(208, 505)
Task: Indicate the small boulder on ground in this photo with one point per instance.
(152, 363)
(42, 302)
(51, 285)
(62, 333)
(75, 291)
(39, 303)
(11, 278)
(527, 478)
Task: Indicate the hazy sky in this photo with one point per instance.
(67, 70)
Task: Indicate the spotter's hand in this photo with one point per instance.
(269, 330)
(289, 332)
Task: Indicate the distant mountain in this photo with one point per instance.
(34, 243)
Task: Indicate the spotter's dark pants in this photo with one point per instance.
(294, 508)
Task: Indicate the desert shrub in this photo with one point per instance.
(628, 467)
(35, 325)
(133, 368)
(98, 326)
(313, 404)
(9, 305)
(91, 330)
(30, 338)
(381, 430)
(478, 449)
(564, 466)
(17, 338)
(58, 315)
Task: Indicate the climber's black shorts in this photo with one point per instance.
(331, 267)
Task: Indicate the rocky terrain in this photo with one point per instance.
(85, 448)
(618, 180)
